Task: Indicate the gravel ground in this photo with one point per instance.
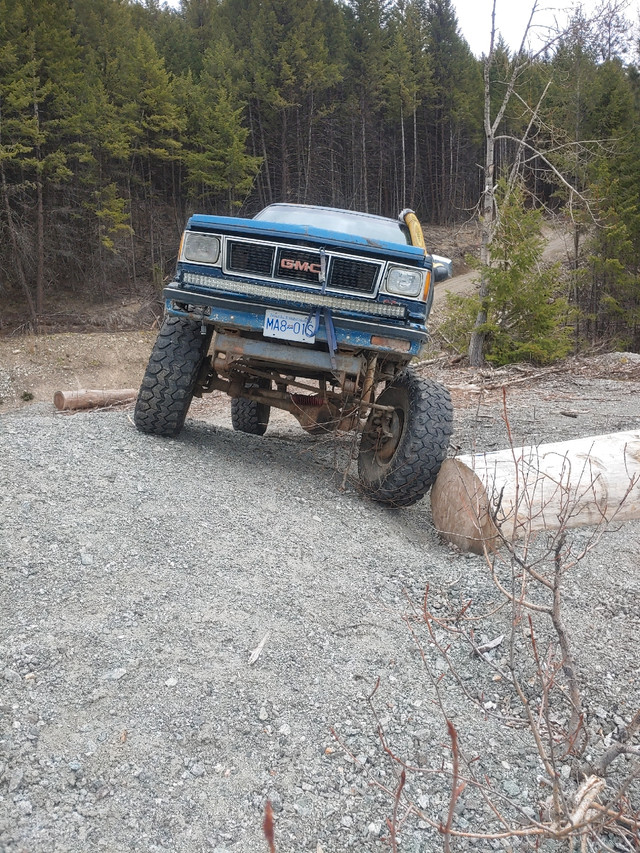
(139, 574)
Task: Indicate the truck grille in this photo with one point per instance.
(349, 274)
(302, 265)
(250, 257)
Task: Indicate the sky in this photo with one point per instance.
(474, 18)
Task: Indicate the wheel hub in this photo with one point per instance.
(386, 432)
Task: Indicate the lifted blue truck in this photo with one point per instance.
(317, 311)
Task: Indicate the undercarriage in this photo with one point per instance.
(404, 420)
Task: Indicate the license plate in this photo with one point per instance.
(290, 327)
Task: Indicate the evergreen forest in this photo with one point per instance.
(118, 119)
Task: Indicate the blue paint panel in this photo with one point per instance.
(359, 339)
(275, 230)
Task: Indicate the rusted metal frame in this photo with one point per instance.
(368, 386)
(281, 398)
(279, 379)
(290, 356)
(278, 399)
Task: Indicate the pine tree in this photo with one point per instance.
(217, 164)
(289, 70)
(454, 113)
(527, 319)
(40, 128)
(610, 292)
(406, 85)
(144, 96)
(367, 32)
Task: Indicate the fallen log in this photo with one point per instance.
(477, 500)
(68, 400)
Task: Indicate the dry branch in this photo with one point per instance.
(539, 669)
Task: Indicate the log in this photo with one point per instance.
(461, 509)
(478, 499)
(68, 400)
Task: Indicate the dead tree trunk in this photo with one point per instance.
(476, 344)
(477, 500)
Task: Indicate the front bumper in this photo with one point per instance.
(351, 333)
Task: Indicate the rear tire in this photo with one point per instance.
(167, 387)
(249, 415)
(398, 466)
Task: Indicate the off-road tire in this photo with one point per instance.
(249, 415)
(402, 470)
(167, 387)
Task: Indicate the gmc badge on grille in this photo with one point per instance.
(300, 266)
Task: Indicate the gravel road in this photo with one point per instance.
(139, 574)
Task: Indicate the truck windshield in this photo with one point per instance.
(342, 221)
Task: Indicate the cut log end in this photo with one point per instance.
(585, 481)
(461, 509)
(70, 400)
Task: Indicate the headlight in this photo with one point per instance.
(405, 281)
(200, 248)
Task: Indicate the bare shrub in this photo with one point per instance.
(512, 664)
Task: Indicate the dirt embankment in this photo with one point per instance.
(33, 367)
(465, 243)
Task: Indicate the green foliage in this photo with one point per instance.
(146, 101)
(609, 110)
(214, 151)
(42, 89)
(458, 320)
(407, 73)
(111, 211)
(117, 118)
(610, 291)
(527, 319)
(455, 114)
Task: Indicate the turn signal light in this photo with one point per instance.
(391, 343)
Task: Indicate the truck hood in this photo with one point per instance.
(307, 234)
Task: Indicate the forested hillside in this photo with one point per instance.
(118, 119)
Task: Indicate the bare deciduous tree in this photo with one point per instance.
(524, 150)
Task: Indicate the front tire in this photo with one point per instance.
(167, 387)
(400, 457)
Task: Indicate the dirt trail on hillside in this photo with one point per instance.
(558, 248)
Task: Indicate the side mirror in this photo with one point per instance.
(442, 268)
